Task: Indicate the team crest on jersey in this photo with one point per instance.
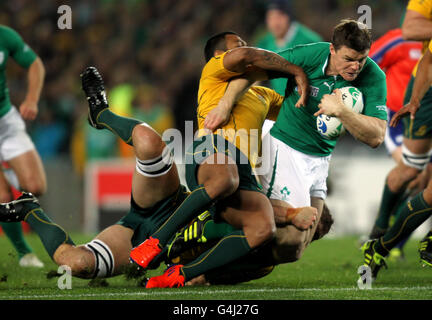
(285, 193)
(314, 91)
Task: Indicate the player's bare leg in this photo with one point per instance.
(148, 188)
(81, 259)
(402, 174)
(5, 190)
(30, 172)
(416, 156)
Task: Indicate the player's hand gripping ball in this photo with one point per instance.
(331, 127)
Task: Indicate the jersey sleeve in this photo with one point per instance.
(374, 89)
(276, 101)
(421, 6)
(215, 69)
(19, 50)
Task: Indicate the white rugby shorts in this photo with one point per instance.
(292, 176)
(14, 139)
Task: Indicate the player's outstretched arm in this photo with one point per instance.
(220, 115)
(422, 84)
(242, 58)
(35, 77)
(416, 26)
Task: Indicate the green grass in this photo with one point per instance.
(327, 271)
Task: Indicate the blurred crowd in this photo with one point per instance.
(150, 54)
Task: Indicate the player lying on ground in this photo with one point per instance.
(156, 193)
(288, 246)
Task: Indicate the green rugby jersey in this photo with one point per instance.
(297, 34)
(297, 126)
(11, 45)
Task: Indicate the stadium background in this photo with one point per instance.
(150, 54)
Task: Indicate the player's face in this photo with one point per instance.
(348, 62)
(234, 41)
(277, 22)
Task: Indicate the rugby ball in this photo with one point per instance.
(331, 127)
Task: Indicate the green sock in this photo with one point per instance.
(254, 265)
(121, 126)
(195, 203)
(416, 211)
(228, 249)
(51, 234)
(213, 230)
(13, 231)
(389, 200)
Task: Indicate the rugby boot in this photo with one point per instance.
(16, 210)
(171, 278)
(372, 259)
(143, 254)
(94, 89)
(425, 251)
(190, 236)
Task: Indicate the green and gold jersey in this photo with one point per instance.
(11, 45)
(248, 115)
(424, 7)
(297, 126)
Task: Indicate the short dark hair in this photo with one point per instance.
(352, 34)
(216, 42)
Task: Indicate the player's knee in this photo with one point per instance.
(78, 259)
(222, 185)
(227, 185)
(260, 232)
(400, 176)
(147, 142)
(267, 231)
(410, 173)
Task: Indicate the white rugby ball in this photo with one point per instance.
(331, 127)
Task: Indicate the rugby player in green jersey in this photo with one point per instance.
(16, 147)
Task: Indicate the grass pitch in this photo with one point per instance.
(327, 271)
